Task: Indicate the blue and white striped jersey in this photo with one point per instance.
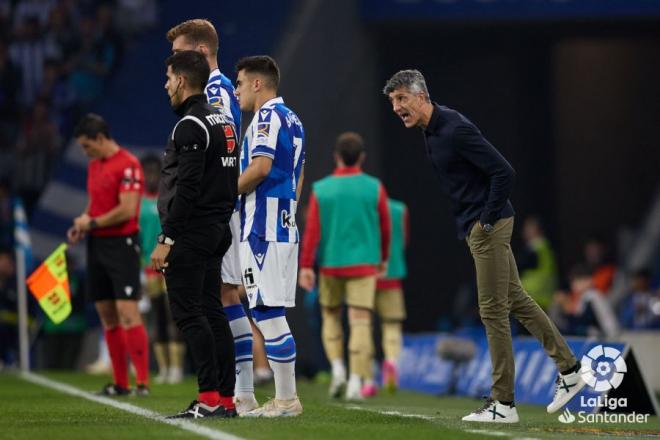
(220, 93)
(269, 212)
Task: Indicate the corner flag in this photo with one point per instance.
(49, 284)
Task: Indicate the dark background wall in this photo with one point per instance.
(573, 105)
(607, 114)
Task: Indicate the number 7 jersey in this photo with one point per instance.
(269, 212)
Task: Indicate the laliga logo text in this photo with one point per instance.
(603, 369)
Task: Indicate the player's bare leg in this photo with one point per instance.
(333, 343)
(360, 345)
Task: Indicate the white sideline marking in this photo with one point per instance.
(485, 432)
(390, 413)
(423, 417)
(152, 415)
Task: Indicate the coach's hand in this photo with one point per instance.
(159, 255)
(307, 279)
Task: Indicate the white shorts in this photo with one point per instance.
(231, 263)
(270, 271)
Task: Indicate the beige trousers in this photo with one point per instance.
(501, 294)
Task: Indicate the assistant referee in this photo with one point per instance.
(114, 186)
(198, 190)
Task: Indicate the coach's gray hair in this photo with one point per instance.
(413, 80)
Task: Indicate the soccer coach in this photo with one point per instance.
(197, 194)
(478, 181)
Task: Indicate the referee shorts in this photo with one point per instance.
(113, 268)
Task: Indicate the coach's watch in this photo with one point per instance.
(488, 228)
(162, 239)
(93, 224)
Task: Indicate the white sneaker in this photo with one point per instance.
(175, 375)
(245, 403)
(277, 408)
(337, 385)
(99, 366)
(161, 378)
(568, 386)
(493, 412)
(354, 391)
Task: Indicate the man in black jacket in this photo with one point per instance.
(478, 181)
(197, 193)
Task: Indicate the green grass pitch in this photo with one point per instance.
(29, 411)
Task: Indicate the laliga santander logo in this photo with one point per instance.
(566, 416)
(603, 368)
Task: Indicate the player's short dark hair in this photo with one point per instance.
(196, 31)
(411, 79)
(91, 125)
(349, 147)
(263, 65)
(192, 65)
(150, 160)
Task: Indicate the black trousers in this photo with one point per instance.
(193, 285)
(166, 331)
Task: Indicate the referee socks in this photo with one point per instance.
(115, 338)
(137, 343)
(243, 339)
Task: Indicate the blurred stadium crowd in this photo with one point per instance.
(56, 56)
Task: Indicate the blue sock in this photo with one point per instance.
(242, 332)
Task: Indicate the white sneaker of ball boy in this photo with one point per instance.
(494, 411)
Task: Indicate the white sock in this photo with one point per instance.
(280, 350)
(355, 380)
(338, 369)
(242, 333)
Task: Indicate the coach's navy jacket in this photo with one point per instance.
(477, 178)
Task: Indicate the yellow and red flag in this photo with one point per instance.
(49, 284)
